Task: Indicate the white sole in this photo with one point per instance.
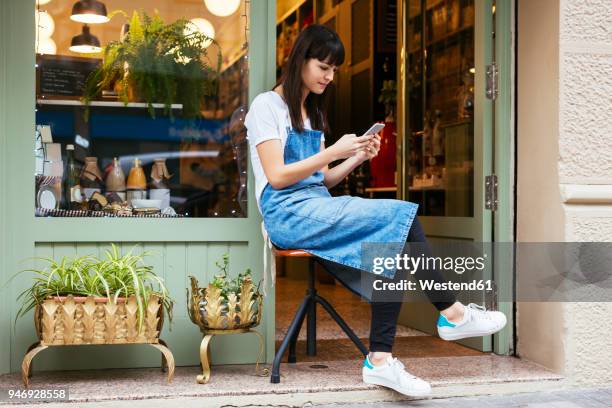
(383, 382)
(459, 336)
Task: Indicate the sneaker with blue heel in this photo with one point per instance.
(392, 374)
(476, 322)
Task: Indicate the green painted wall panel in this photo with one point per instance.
(262, 76)
(64, 249)
(88, 248)
(5, 304)
(17, 24)
(174, 262)
(183, 247)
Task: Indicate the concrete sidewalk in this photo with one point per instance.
(581, 398)
(574, 398)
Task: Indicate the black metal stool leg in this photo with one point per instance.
(291, 358)
(349, 332)
(293, 327)
(311, 324)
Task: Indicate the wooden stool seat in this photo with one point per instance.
(296, 253)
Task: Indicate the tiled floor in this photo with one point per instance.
(405, 347)
(228, 380)
(332, 343)
(290, 292)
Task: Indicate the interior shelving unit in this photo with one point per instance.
(105, 104)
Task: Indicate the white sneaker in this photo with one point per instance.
(392, 374)
(477, 321)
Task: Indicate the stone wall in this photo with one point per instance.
(576, 204)
(585, 168)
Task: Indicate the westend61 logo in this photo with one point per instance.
(404, 262)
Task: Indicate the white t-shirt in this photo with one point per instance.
(267, 118)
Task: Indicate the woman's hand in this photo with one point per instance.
(370, 150)
(350, 145)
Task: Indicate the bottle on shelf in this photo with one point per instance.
(115, 181)
(73, 196)
(427, 136)
(438, 135)
(136, 183)
(158, 188)
(346, 186)
(91, 177)
(360, 182)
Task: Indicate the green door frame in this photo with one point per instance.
(5, 335)
(22, 231)
(504, 164)
(493, 141)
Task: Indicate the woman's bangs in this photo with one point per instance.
(330, 51)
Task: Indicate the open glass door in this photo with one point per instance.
(445, 127)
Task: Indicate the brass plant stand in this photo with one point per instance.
(167, 360)
(239, 315)
(70, 320)
(205, 352)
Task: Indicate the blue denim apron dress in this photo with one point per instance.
(305, 216)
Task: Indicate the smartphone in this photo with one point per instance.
(375, 128)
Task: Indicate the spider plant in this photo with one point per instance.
(128, 275)
(68, 276)
(113, 277)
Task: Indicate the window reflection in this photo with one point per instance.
(150, 126)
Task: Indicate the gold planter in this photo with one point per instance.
(71, 320)
(214, 315)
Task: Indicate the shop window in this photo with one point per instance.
(440, 101)
(140, 108)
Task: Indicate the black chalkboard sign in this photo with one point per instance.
(59, 76)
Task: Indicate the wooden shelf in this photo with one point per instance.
(444, 38)
(380, 189)
(105, 104)
(373, 190)
(427, 188)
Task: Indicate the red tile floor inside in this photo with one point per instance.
(332, 343)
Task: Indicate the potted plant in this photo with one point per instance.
(157, 62)
(225, 306)
(86, 300)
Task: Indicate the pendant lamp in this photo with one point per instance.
(222, 8)
(89, 12)
(85, 43)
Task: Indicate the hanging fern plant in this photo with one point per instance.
(158, 63)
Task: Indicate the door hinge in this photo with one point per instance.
(491, 192)
(492, 81)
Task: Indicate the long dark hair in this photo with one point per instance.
(315, 41)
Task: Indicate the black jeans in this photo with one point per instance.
(384, 314)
